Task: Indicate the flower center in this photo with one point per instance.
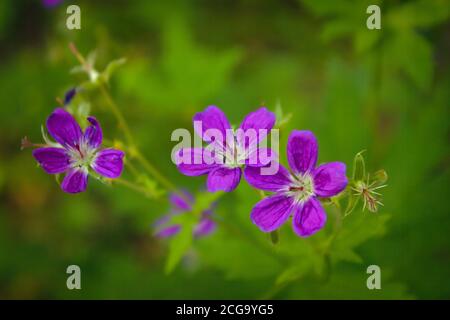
(81, 155)
(302, 188)
(233, 156)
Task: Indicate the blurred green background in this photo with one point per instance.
(386, 91)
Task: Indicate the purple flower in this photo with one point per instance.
(69, 96)
(297, 192)
(75, 152)
(51, 3)
(232, 149)
(182, 204)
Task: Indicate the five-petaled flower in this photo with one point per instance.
(232, 149)
(297, 192)
(75, 152)
(182, 203)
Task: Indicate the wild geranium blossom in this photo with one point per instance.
(297, 192)
(232, 149)
(182, 204)
(75, 152)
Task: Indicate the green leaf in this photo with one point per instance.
(282, 118)
(187, 74)
(366, 40)
(422, 13)
(357, 229)
(347, 254)
(151, 186)
(335, 29)
(294, 272)
(204, 201)
(351, 203)
(111, 68)
(182, 241)
(238, 259)
(178, 246)
(325, 7)
(413, 54)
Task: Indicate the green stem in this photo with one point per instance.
(119, 116)
(132, 168)
(132, 186)
(148, 166)
(132, 147)
(155, 173)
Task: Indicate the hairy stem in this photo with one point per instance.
(132, 186)
(123, 125)
(119, 116)
(156, 173)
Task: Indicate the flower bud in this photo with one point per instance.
(380, 177)
(359, 167)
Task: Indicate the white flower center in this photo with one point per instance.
(301, 188)
(82, 155)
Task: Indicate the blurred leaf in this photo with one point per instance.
(420, 13)
(281, 118)
(294, 272)
(186, 75)
(366, 39)
(324, 7)
(111, 68)
(150, 186)
(178, 246)
(352, 202)
(335, 29)
(204, 201)
(236, 258)
(350, 283)
(413, 54)
(357, 229)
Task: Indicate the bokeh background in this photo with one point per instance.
(386, 91)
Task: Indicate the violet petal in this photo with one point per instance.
(75, 181)
(302, 150)
(168, 231)
(309, 218)
(195, 161)
(63, 128)
(52, 160)
(275, 182)
(270, 213)
(261, 119)
(330, 179)
(93, 133)
(223, 179)
(109, 163)
(51, 3)
(181, 202)
(205, 227)
(212, 118)
(69, 95)
(258, 157)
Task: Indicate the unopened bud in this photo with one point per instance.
(359, 167)
(380, 177)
